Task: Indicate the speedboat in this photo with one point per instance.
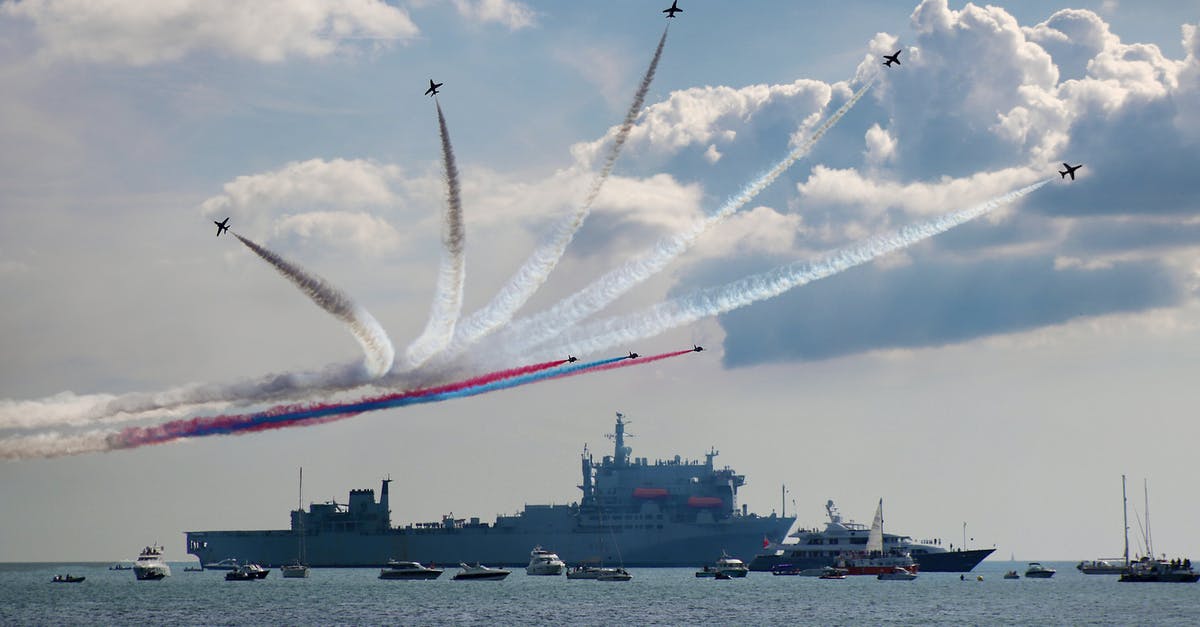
(1037, 571)
(543, 562)
(896, 574)
(242, 573)
(66, 579)
(834, 573)
(258, 571)
(229, 563)
(1110, 566)
(1012, 574)
(614, 574)
(408, 570)
(592, 572)
(150, 566)
(478, 571)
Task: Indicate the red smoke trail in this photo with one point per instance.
(132, 437)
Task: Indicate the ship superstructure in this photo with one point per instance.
(632, 511)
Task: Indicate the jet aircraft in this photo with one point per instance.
(697, 349)
(673, 9)
(1069, 170)
(893, 58)
(222, 226)
(433, 88)
(633, 355)
(572, 359)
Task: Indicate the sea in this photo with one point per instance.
(655, 596)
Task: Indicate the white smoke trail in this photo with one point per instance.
(54, 444)
(448, 297)
(621, 330)
(534, 272)
(603, 291)
(365, 328)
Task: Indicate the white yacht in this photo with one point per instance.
(543, 562)
(150, 565)
(408, 570)
(229, 563)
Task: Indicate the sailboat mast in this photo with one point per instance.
(1125, 513)
(1149, 537)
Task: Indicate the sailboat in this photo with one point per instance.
(1151, 569)
(298, 569)
(875, 560)
(1111, 565)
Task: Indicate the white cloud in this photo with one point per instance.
(359, 231)
(881, 146)
(515, 15)
(710, 116)
(142, 33)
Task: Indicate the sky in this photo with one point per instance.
(1003, 373)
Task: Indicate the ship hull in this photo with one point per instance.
(947, 562)
(672, 545)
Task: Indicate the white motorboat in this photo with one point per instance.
(896, 574)
(478, 571)
(229, 563)
(543, 562)
(590, 572)
(616, 574)
(1037, 571)
(258, 571)
(408, 570)
(149, 565)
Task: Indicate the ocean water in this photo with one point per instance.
(656, 596)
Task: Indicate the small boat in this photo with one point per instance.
(480, 572)
(408, 570)
(543, 562)
(586, 572)
(1104, 566)
(258, 571)
(1012, 574)
(229, 563)
(120, 566)
(1037, 571)
(614, 574)
(794, 570)
(896, 574)
(836, 573)
(298, 569)
(241, 573)
(193, 569)
(66, 579)
(722, 576)
(295, 570)
(731, 566)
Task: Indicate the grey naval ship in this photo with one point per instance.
(632, 512)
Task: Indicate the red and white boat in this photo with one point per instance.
(873, 560)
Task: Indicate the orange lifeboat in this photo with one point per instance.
(650, 493)
(705, 501)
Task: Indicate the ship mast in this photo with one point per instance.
(1125, 514)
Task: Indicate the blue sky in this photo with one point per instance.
(1008, 363)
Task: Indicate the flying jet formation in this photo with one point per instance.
(633, 355)
(1069, 170)
(673, 9)
(892, 58)
(433, 88)
(222, 226)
